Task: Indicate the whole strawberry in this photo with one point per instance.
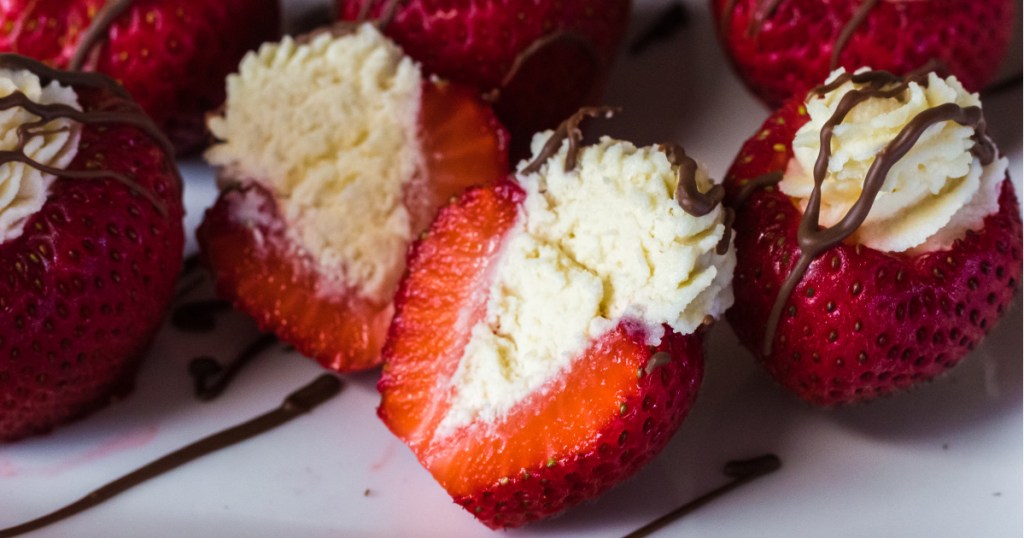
(90, 243)
(547, 337)
(538, 60)
(334, 154)
(172, 56)
(832, 318)
(782, 48)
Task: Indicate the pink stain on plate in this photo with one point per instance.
(120, 443)
(386, 455)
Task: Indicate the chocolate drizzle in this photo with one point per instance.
(568, 130)
(210, 378)
(98, 30)
(688, 193)
(858, 18)
(879, 84)
(755, 184)
(118, 110)
(296, 404)
(538, 45)
(742, 472)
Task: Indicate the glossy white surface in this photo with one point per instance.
(943, 460)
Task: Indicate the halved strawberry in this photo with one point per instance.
(171, 55)
(262, 264)
(861, 322)
(530, 369)
(87, 277)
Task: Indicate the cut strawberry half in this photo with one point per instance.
(530, 369)
(284, 260)
(861, 322)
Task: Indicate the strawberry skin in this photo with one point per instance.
(171, 56)
(609, 414)
(862, 323)
(86, 285)
(277, 282)
(782, 48)
(563, 50)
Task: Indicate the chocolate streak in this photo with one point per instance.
(742, 471)
(568, 129)
(296, 404)
(210, 378)
(880, 84)
(848, 30)
(98, 30)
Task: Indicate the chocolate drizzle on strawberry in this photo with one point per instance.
(118, 110)
(741, 471)
(755, 184)
(877, 84)
(298, 403)
(538, 45)
(858, 18)
(98, 30)
(568, 130)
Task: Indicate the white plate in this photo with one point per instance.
(943, 460)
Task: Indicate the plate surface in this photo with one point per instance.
(943, 460)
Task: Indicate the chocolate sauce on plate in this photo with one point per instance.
(296, 404)
(210, 378)
(742, 472)
(671, 20)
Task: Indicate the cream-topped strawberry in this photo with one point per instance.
(90, 242)
(892, 244)
(547, 341)
(334, 153)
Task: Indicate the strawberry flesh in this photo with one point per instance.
(282, 286)
(861, 323)
(602, 419)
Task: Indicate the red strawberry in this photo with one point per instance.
(266, 273)
(172, 56)
(608, 414)
(782, 48)
(541, 60)
(860, 323)
(86, 284)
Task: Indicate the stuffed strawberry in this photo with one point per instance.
(334, 154)
(782, 48)
(172, 56)
(90, 242)
(538, 60)
(547, 339)
(883, 257)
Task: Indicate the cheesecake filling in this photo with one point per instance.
(329, 126)
(930, 197)
(24, 188)
(595, 246)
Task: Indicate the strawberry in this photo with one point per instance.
(782, 48)
(267, 271)
(538, 354)
(539, 60)
(861, 322)
(172, 56)
(89, 277)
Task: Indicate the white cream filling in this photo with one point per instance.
(930, 197)
(603, 243)
(330, 128)
(24, 189)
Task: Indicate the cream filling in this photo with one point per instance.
(930, 197)
(604, 243)
(24, 189)
(330, 128)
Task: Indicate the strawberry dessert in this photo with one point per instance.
(90, 242)
(547, 340)
(334, 151)
(538, 61)
(783, 48)
(890, 245)
(171, 55)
